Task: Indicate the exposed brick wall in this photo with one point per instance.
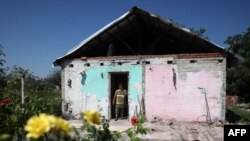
(232, 100)
(199, 55)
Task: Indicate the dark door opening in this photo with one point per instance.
(115, 79)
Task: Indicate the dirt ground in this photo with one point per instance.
(176, 131)
(171, 130)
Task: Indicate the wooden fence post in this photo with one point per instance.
(22, 87)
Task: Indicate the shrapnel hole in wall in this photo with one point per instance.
(71, 65)
(174, 78)
(146, 62)
(193, 61)
(69, 83)
(170, 62)
(87, 64)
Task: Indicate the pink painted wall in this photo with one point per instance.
(185, 103)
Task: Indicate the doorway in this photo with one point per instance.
(115, 79)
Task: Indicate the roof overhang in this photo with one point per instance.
(128, 18)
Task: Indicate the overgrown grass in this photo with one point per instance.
(236, 115)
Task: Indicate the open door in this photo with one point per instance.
(115, 79)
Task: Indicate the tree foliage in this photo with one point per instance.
(2, 61)
(238, 78)
(2, 70)
(54, 78)
(200, 32)
(240, 43)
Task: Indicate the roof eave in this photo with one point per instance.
(57, 62)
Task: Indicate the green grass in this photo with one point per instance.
(236, 115)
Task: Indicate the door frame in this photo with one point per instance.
(109, 91)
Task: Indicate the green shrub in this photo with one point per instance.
(14, 115)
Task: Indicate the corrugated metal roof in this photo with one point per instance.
(124, 16)
(82, 43)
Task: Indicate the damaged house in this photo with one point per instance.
(169, 71)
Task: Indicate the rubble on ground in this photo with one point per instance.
(244, 106)
(171, 129)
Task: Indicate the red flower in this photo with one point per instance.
(5, 101)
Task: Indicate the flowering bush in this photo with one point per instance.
(92, 117)
(48, 127)
(95, 128)
(5, 101)
(41, 95)
(38, 126)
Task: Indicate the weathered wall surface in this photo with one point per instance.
(91, 90)
(168, 84)
(172, 91)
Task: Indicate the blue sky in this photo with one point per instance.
(35, 32)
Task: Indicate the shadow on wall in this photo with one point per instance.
(84, 77)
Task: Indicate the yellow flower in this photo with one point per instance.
(37, 126)
(92, 117)
(62, 124)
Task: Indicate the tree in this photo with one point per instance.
(240, 43)
(2, 61)
(13, 81)
(238, 78)
(54, 78)
(200, 32)
(2, 69)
